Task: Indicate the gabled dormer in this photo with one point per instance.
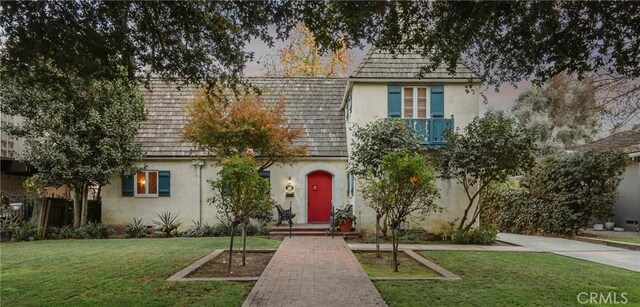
(387, 85)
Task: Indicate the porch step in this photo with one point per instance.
(350, 234)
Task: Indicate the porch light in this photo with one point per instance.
(289, 188)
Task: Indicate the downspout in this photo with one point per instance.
(198, 165)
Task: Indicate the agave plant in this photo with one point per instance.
(167, 223)
(136, 229)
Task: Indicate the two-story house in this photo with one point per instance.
(387, 86)
(175, 178)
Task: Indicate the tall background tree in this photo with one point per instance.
(78, 131)
(563, 113)
(301, 56)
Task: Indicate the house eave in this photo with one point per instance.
(415, 80)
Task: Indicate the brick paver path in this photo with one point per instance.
(314, 271)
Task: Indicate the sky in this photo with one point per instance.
(495, 100)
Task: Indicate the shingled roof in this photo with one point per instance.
(313, 104)
(626, 141)
(379, 64)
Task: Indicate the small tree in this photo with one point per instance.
(225, 125)
(407, 186)
(370, 144)
(240, 195)
(491, 149)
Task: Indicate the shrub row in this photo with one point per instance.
(515, 210)
(90, 231)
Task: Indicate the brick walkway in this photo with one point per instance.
(314, 271)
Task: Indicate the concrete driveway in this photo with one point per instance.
(613, 256)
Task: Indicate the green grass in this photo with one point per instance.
(116, 272)
(511, 279)
(635, 240)
(381, 267)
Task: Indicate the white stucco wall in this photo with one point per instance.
(627, 206)
(118, 210)
(369, 102)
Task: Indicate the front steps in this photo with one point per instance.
(309, 230)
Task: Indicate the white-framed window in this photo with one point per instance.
(146, 184)
(415, 102)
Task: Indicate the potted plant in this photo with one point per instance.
(609, 224)
(344, 220)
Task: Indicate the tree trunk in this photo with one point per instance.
(378, 237)
(394, 236)
(244, 244)
(77, 191)
(233, 229)
(384, 228)
(85, 205)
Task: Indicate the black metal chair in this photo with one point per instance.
(284, 215)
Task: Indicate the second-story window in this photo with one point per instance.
(415, 102)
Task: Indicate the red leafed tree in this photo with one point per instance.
(236, 124)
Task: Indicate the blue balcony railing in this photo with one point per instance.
(431, 131)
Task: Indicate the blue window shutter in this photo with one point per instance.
(266, 175)
(127, 185)
(164, 183)
(437, 101)
(394, 103)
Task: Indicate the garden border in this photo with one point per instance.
(444, 273)
(181, 275)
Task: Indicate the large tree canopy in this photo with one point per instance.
(192, 40)
(202, 40)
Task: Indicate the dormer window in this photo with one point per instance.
(415, 102)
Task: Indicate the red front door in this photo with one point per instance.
(319, 197)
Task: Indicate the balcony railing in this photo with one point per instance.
(431, 131)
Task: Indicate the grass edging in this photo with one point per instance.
(625, 245)
(445, 274)
(181, 275)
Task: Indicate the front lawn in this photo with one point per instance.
(511, 279)
(635, 240)
(116, 272)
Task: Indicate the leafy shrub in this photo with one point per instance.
(64, 232)
(586, 183)
(95, 231)
(515, 210)
(484, 235)
(167, 223)
(200, 230)
(136, 229)
(24, 231)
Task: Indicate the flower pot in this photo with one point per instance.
(609, 225)
(345, 226)
(598, 227)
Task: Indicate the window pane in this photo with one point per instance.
(422, 92)
(141, 183)
(422, 104)
(408, 102)
(153, 183)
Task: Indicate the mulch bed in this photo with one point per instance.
(256, 262)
